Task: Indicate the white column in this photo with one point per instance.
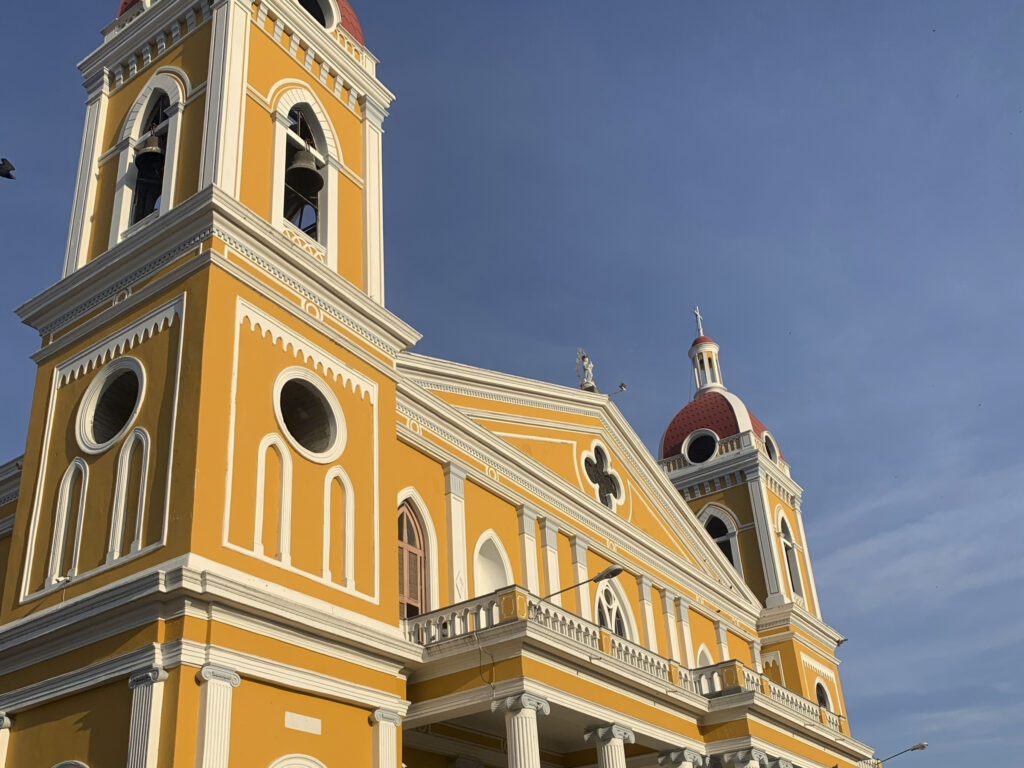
(643, 585)
(610, 740)
(5, 737)
(682, 758)
(683, 609)
(765, 538)
(216, 686)
(549, 541)
(721, 635)
(82, 213)
(528, 548)
(581, 576)
(385, 738)
(455, 515)
(668, 614)
(522, 741)
(373, 200)
(147, 688)
(225, 97)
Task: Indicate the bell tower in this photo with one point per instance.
(275, 104)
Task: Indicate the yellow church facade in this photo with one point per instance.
(252, 528)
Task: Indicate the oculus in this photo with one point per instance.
(110, 404)
(309, 415)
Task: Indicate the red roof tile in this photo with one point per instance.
(708, 411)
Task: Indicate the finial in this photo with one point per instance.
(700, 321)
(585, 371)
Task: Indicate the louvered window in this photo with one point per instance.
(411, 563)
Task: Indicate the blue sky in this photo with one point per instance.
(837, 184)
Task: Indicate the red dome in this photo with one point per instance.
(125, 5)
(712, 410)
(702, 340)
(349, 20)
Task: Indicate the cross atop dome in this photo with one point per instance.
(700, 321)
(707, 373)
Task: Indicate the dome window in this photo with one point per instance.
(314, 9)
(769, 447)
(701, 447)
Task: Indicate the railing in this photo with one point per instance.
(514, 604)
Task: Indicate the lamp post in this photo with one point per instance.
(608, 573)
(916, 747)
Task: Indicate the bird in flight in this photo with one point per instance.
(6, 169)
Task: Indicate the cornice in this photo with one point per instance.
(213, 213)
(792, 615)
(10, 480)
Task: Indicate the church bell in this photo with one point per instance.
(303, 175)
(149, 158)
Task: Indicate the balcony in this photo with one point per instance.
(719, 686)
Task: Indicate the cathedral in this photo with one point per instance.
(252, 529)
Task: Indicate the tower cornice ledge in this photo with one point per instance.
(793, 615)
(209, 213)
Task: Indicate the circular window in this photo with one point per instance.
(110, 404)
(701, 448)
(310, 415)
(769, 447)
(319, 11)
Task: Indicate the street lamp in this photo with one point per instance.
(608, 573)
(916, 747)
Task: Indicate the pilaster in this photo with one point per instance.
(385, 738)
(813, 604)
(755, 655)
(668, 614)
(5, 737)
(82, 209)
(528, 548)
(683, 610)
(581, 577)
(147, 688)
(549, 543)
(523, 742)
(762, 525)
(610, 740)
(373, 199)
(455, 517)
(722, 638)
(225, 97)
(644, 585)
(216, 685)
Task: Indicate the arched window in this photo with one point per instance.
(411, 563)
(791, 557)
(304, 177)
(67, 527)
(704, 657)
(821, 694)
(147, 167)
(491, 569)
(150, 158)
(611, 612)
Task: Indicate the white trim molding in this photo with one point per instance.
(216, 684)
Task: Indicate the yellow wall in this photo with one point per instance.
(91, 727)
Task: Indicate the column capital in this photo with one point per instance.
(455, 480)
(644, 584)
(607, 731)
(515, 704)
(779, 762)
(147, 677)
(216, 672)
(385, 716)
(676, 758)
(5, 721)
(579, 548)
(527, 517)
(374, 112)
(746, 758)
(548, 531)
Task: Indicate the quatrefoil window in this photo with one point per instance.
(603, 477)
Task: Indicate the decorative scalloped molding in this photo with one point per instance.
(304, 351)
(125, 340)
